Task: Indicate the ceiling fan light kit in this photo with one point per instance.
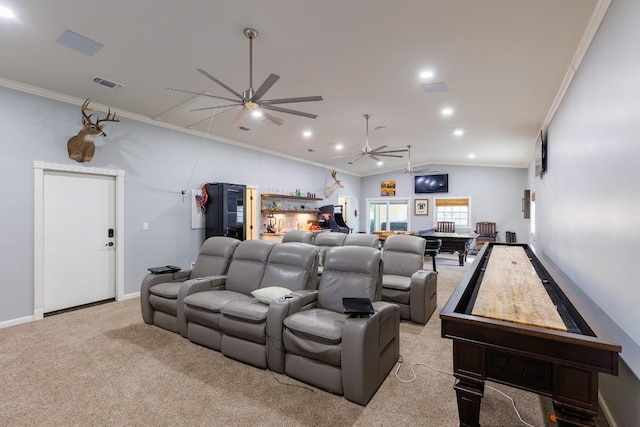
(251, 99)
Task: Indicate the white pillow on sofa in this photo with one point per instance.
(266, 295)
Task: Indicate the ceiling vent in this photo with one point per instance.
(434, 87)
(107, 83)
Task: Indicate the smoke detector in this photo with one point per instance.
(106, 83)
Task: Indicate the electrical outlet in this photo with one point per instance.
(193, 264)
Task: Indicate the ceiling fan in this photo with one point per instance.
(412, 171)
(251, 99)
(374, 153)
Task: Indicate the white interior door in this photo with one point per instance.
(79, 256)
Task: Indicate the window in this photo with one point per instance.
(388, 215)
(450, 209)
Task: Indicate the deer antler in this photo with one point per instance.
(109, 118)
(329, 190)
(85, 107)
(81, 147)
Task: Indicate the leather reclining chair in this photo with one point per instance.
(201, 313)
(298, 236)
(405, 282)
(160, 296)
(361, 239)
(349, 356)
(327, 240)
(251, 329)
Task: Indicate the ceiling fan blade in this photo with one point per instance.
(379, 148)
(217, 106)
(204, 73)
(264, 87)
(273, 118)
(356, 159)
(193, 92)
(289, 100)
(391, 151)
(375, 158)
(288, 111)
(239, 116)
(388, 155)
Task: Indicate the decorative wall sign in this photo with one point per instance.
(388, 188)
(421, 207)
(197, 214)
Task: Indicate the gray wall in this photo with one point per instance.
(158, 164)
(496, 196)
(588, 203)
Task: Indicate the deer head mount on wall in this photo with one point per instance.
(81, 146)
(337, 184)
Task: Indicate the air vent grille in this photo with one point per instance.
(107, 83)
(434, 87)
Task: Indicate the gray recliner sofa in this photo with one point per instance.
(405, 282)
(161, 294)
(252, 330)
(230, 319)
(345, 355)
(201, 313)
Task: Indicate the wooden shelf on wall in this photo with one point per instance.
(284, 196)
(285, 211)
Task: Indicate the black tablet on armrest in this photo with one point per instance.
(357, 306)
(164, 269)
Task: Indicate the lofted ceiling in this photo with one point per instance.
(502, 61)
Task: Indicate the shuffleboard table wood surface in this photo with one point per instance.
(563, 365)
(511, 290)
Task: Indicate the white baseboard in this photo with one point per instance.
(606, 411)
(14, 322)
(128, 296)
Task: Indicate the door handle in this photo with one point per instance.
(109, 244)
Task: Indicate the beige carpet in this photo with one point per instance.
(104, 366)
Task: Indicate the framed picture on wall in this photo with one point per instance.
(421, 207)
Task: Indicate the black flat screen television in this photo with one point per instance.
(541, 155)
(432, 183)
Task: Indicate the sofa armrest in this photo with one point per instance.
(309, 297)
(279, 309)
(191, 287)
(370, 348)
(145, 290)
(423, 295)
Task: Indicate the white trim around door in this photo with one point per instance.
(39, 169)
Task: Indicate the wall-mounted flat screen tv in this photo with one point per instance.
(541, 155)
(432, 183)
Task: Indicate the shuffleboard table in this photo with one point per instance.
(512, 323)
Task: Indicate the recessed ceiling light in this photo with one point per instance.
(472, 156)
(256, 113)
(380, 163)
(447, 111)
(458, 132)
(307, 133)
(5, 12)
(339, 146)
(427, 74)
